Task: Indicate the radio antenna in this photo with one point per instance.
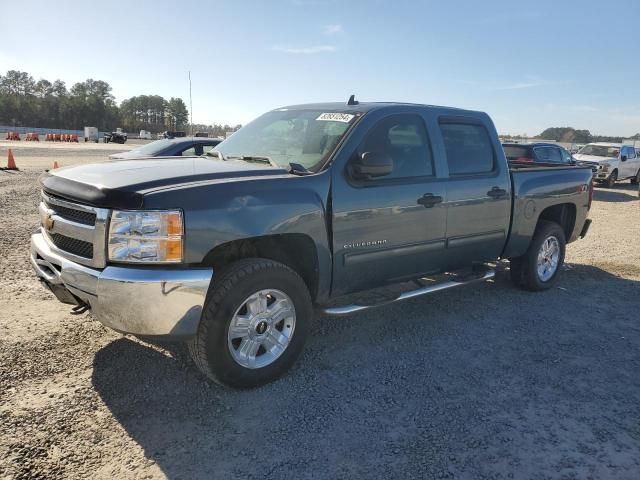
(190, 103)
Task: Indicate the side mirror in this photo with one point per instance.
(371, 165)
(623, 158)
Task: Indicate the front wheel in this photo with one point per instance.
(636, 180)
(538, 268)
(254, 324)
(613, 178)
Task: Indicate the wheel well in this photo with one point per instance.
(297, 251)
(563, 214)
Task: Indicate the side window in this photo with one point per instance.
(630, 152)
(207, 148)
(188, 152)
(554, 155)
(542, 154)
(404, 139)
(566, 156)
(468, 147)
(548, 154)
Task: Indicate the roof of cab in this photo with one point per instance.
(364, 107)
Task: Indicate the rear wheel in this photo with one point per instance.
(613, 178)
(538, 268)
(254, 324)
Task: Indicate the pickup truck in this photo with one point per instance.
(610, 162)
(232, 251)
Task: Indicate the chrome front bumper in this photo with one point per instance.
(136, 300)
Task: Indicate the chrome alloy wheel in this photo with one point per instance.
(261, 329)
(548, 258)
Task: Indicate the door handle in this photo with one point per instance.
(497, 192)
(428, 200)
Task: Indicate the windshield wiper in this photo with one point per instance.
(297, 169)
(254, 158)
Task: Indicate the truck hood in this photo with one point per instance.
(123, 183)
(593, 158)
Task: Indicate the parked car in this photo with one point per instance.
(610, 162)
(537, 153)
(171, 134)
(116, 137)
(307, 203)
(175, 147)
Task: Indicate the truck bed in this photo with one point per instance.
(538, 188)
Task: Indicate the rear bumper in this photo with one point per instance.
(141, 301)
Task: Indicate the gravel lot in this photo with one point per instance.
(482, 382)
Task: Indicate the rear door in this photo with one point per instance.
(393, 227)
(478, 191)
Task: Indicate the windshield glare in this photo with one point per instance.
(600, 151)
(305, 137)
(152, 148)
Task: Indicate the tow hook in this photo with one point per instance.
(80, 309)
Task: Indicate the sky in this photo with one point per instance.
(530, 65)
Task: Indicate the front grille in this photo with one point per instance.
(86, 218)
(72, 245)
(75, 229)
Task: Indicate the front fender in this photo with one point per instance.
(221, 211)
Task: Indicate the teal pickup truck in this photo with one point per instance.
(231, 251)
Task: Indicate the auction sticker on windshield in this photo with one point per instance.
(335, 117)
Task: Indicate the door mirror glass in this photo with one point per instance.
(371, 165)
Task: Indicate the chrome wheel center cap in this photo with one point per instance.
(261, 327)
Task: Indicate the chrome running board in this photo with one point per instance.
(348, 309)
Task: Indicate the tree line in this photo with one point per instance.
(571, 135)
(44, 104)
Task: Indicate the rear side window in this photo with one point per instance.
(468, 147)
(548, 154)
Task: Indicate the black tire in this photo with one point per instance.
(611, 181)
(636, 180)
(209, 348)
(524, 272)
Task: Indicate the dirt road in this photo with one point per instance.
(482, 382)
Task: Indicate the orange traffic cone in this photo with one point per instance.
(11, 162)
(55, 164)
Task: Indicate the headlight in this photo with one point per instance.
(605, 167)
(152, 236)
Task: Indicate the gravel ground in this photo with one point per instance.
(486, 381)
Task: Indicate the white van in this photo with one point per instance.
(610, 162)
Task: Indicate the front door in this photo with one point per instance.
(393, 227)
(628, 168)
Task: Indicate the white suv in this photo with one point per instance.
(610, 162)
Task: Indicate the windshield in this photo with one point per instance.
(600, 151)
(305, 137)
(152, 148)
